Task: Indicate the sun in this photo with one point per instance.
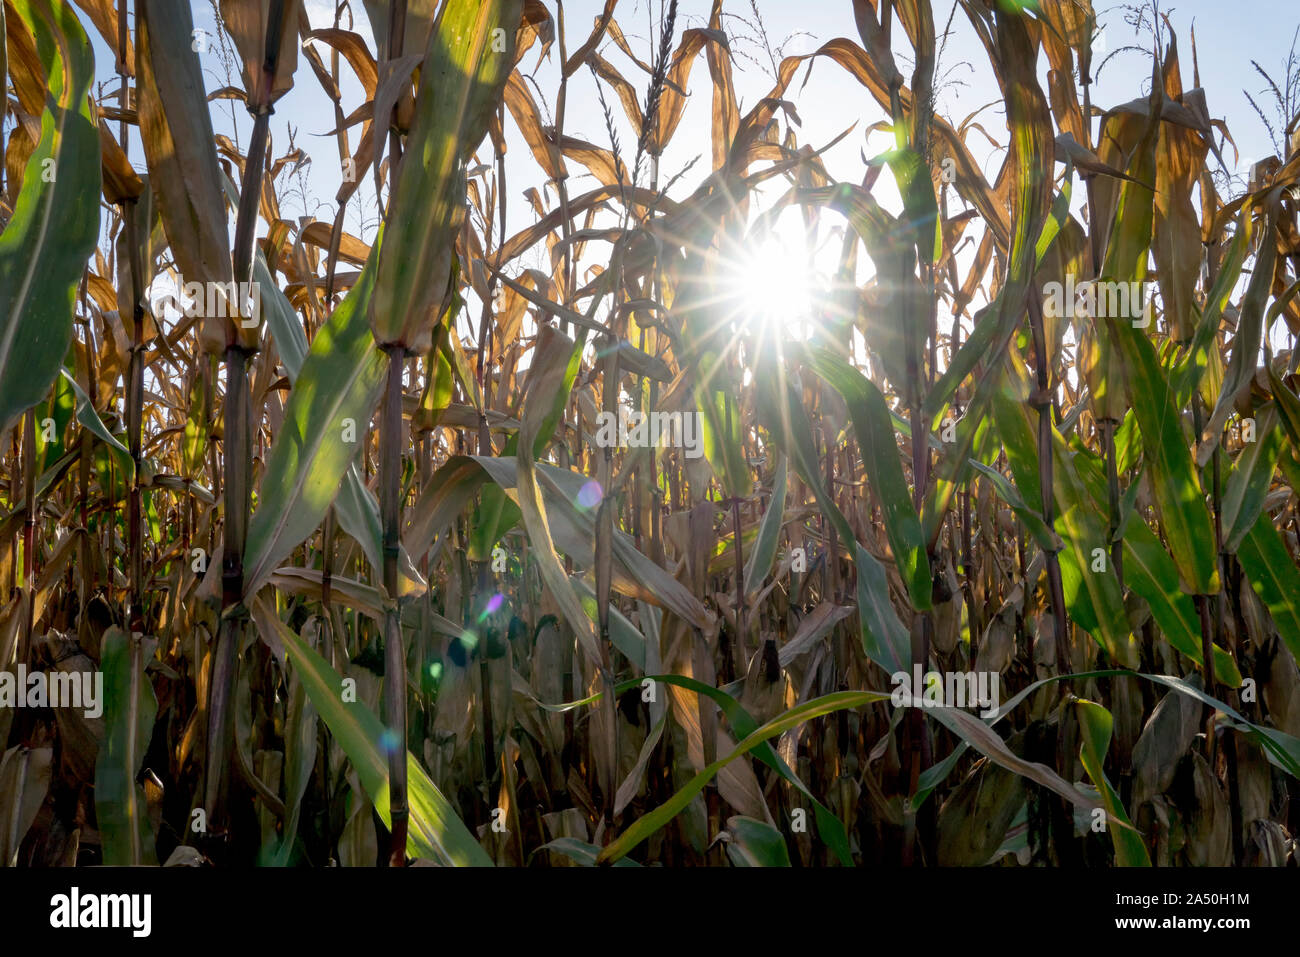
(772, 287)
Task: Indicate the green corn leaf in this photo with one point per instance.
(55, 222)
(893, 327)
(496, 514)
(622, 633)
(1031, 166)
(884, 638)
(966, 726)
(1287, 405)
(1250, 478)
(1178, 496)
(829, 827)
(1274, 577)
(1093, 598)
(880, 458)
(920, 209)
(1245, 344)
(570, 513)
(1153, 576)
(721, 426)
(782, 414)
(763, 554)
(57, 411)
(356, 506)
(325, 419)
(546, 376)
(1095, 724)
(973, 351)
(436, 833)
(464, 71)
(582, 852)
(129, 710)
(1282, 749)
(754, 843)
(90, 419)
(439, 380)
(647, 824)
(194, 446)
(1044, 537)
(1179, 499)
(300, 742)
(1192, 366)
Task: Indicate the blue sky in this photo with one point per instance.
(831, 100)
(1229, 35)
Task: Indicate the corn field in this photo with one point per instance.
(463, 523)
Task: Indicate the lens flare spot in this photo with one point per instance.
(494, 603)
(589, 495)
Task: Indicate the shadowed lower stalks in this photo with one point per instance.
(390, 506)
(237, 454)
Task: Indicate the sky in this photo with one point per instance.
(831, 101)
(1229, 36)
